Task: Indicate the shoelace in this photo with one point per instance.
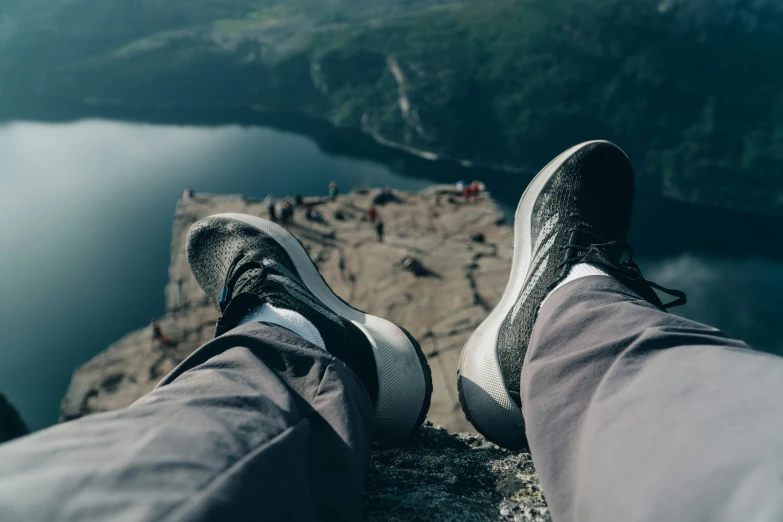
(232, 276)
(604, 256)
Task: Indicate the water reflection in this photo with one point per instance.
(741, 296)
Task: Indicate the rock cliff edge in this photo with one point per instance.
(465, 250)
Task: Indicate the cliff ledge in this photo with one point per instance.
(464, 250)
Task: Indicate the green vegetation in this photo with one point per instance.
(693, 90)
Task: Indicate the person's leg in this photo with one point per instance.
(260, 423)
(256, 423)
(630, 413)
(636, 414)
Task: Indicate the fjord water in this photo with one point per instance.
(85, 227)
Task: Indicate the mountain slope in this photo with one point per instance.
(691, 89)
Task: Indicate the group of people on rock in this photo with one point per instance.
(469, 191)
(285, 213)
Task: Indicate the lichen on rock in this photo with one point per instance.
(445, 477)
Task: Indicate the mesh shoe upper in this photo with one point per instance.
(582, 215)
(240, 267)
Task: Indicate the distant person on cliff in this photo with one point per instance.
(386, 195)
(270, 208)
(466, 193)
(333, 190)
(287, 212)
(379, 229)
(313, 215)
(475, 190)
(372, 214)
(630, 413)
(188, 193)
(158, 337)
(413, 264)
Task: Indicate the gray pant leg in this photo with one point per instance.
(637, 415)
(258, 424)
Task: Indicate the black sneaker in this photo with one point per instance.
(576, 210)
(243, 261)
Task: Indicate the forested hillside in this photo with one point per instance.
(692, 89)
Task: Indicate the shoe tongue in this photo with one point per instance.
(251, 276)
(610, 258)
(278, 286)
(253, 288)
(587, 249)
(236, 310)
(587, 236)
(273, 255)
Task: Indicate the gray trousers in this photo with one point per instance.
(637, 415)
(632, 414)
(257, 424)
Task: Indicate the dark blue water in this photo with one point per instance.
(85, 227)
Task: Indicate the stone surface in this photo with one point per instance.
(11, 423)
(445, 477)
(436, 225)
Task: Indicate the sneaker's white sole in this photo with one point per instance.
(482, 392)
(404, 383)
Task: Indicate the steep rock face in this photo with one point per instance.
(11, 423)
(465, 279)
